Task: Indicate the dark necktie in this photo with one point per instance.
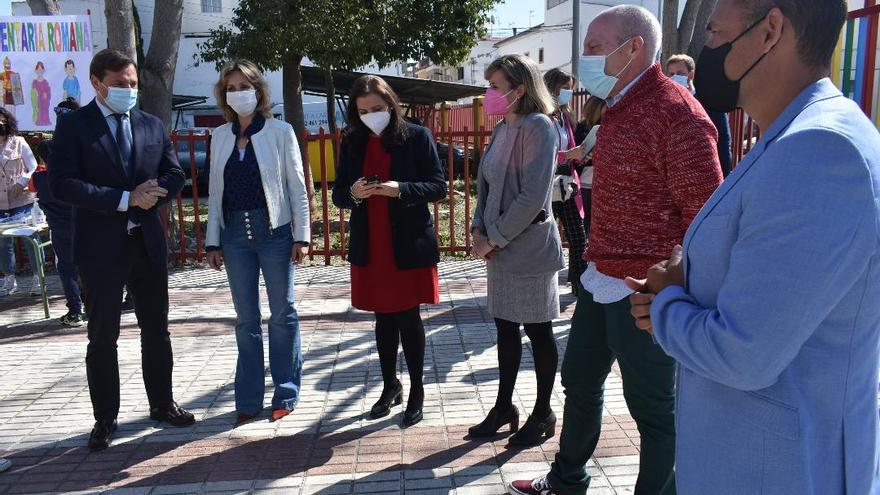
(123, 141)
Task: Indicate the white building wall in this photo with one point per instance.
(555, 43)
(555, 35)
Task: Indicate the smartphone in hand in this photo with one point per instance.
(374, 179)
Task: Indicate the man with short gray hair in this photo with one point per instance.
(656, 165)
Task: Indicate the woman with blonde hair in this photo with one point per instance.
(258, 221)
(514, 232)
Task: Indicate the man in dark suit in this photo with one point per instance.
(115, 165)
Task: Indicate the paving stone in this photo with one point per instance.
(328, 446)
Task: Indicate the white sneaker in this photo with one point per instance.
(35, 286)
(8, 286)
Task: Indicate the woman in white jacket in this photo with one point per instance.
(258, 221)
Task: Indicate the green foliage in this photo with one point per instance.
(346, 34)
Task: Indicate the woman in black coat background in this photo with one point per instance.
(389, 172)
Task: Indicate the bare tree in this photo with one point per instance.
(670, 28)
(157, 73)
(701, 34)
(44, 7)
(687, 35)
(293, 113)
(120, 27)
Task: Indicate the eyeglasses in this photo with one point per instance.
(62, 110)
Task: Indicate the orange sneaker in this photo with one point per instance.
(280, 413)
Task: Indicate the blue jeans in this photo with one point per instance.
(62, 244)
(7, 250)
(250, 246)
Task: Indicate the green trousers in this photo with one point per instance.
(601, 333)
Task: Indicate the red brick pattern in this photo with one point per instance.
(327, 446)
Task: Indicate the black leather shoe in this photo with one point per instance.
(101, 433)
(414, 403)
(535, 431)
(173, 415)
(494, 421)
(389, 396)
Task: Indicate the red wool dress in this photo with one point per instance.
(381, 286)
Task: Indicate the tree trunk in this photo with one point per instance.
(701, 35)
(687, 25)
(138, 36)
(292, 95)
(330, 89)
(44, 7)
(670, 28)
(120, 27)
(293, 114)
(157, 74)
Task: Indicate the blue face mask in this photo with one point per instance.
(591, 72)
(121, 100)
(564, 97)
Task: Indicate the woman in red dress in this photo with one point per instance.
(389, 172)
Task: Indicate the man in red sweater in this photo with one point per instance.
(656, 163)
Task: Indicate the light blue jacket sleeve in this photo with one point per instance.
(805, 237)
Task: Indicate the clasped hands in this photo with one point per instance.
(147, 194)
(481, 247)
(660, 276)
(361, 189)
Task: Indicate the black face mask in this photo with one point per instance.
(714, 90)
(3, 129)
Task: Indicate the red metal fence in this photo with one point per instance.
(184, 216)
(329, 224)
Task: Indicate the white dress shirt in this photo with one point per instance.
(110, 117)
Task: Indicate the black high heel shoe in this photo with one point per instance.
(494, 421)
(413, 413)
(535, 431)
(389, 396)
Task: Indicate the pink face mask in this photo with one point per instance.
(496, 103)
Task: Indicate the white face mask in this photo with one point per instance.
(243, 102)
(376, 121)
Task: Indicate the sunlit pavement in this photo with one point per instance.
(327, 446)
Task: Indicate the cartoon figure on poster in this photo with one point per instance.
(71, 83)
(41, 95)
(13, 95)
(40, 57)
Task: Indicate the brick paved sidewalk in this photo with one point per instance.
(327, 446)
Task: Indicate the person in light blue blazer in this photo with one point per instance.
(772, 307)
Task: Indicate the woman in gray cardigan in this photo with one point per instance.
(514, 232)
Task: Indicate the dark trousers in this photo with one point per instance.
(573, 229)
(62, 245)
(149, 285)
(587, 194)
(601, 333)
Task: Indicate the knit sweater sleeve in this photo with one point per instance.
(688, 159)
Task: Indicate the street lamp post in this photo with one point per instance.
(575, 35)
